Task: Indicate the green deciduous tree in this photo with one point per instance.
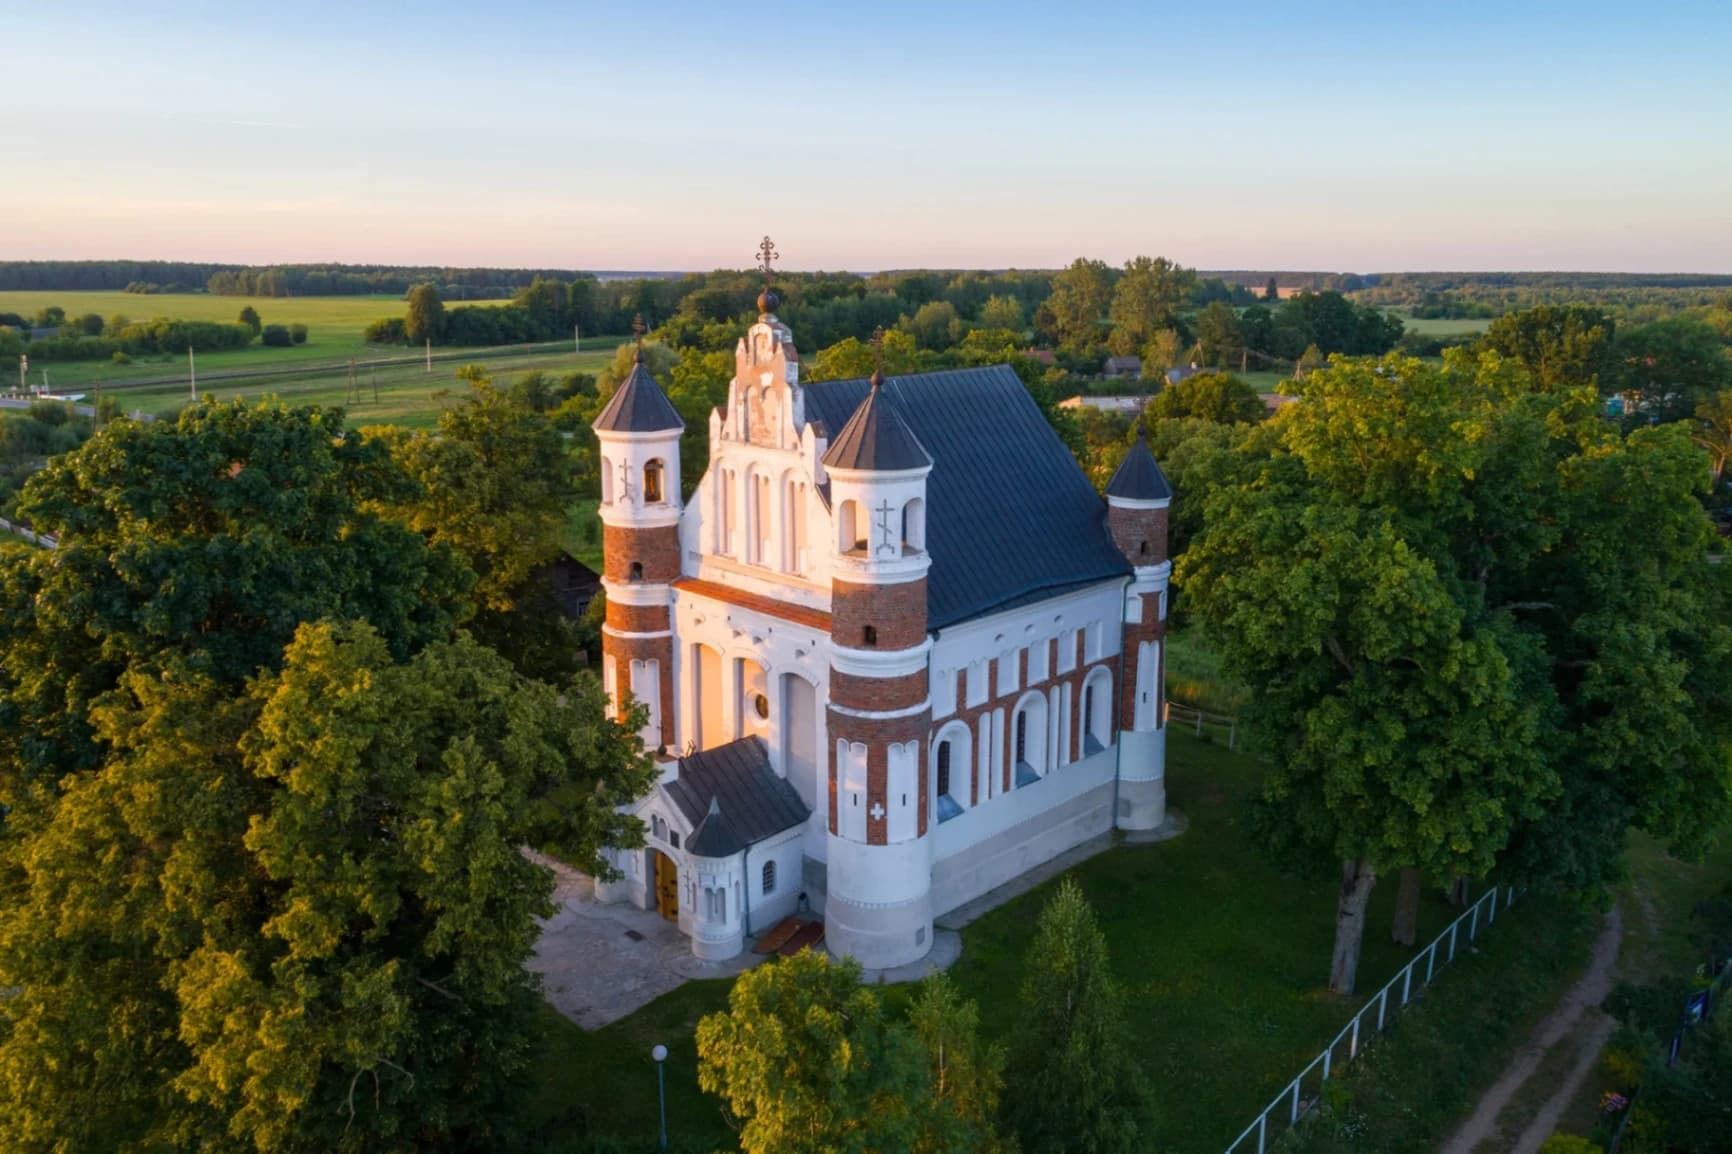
(1219, 397)
(935, 325)
(1002, 312)
(250, 318)
(1454, 666)
(425, 320)
(808, 1062)
(1080, 297)
(965, 1076)
(1218, 333)
(1561, 346)
(1148, 297)
(1714, 433)
(1075, 1082)
(1668, 368)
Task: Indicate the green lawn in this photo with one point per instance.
(1222, 957)
(1195, 676)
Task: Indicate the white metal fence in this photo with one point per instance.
(1191, 717)
(42, 539)
(1302, 1092)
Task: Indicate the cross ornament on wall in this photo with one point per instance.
(877, 811)
(627, 491)
(884, 545)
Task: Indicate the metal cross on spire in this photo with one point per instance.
(767, 253)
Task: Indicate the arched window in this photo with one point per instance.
(944, 767)
(869, 636)
(769, 876)
(606, 481)
(1029, 739)
(652, 483)
(952, 770)
(914, 525)
(1144, 549)
(1097, 711)
(636, 571)
(850, 528)
(659, 827)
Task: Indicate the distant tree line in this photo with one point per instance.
(154, 276)
(93, 337)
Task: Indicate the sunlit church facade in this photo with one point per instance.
(894, 651)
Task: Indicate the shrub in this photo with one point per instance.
(277, 336)
(119, 357)
(298, 333)
(1568, 1144)
(386, 331)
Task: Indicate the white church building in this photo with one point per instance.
(894, 651)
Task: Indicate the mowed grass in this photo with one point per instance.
(1222, 957)
(406, 395)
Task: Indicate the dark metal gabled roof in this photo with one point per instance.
(638, 406)
(877, 438)
(733, 798)
(1010, 517)
(1138, 477)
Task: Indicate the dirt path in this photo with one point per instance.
(1583, 998)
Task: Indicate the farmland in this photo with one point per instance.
(392, 384)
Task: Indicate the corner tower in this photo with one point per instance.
(1138, 498)
(878, 907)
(639, 442)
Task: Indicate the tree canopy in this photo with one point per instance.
(1456, 668)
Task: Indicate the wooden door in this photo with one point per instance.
(667, 887)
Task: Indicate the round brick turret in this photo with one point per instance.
(1138, 502)
(878, 907)
(638, 434)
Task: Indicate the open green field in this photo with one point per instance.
(400, 394)
(1222, 957)
(334, 335)
(1444, 326)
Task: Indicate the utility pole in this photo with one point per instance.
(192, 372)
(429, 354)
(23, 374)
(576, 338)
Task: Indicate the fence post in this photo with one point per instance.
(1294, 1121)
(1491, 914)
(1430, 961)
(1327, 1054)
(1199, 723)
(1473, 922)
(1262, 1129)
(1382, 1005)
(1452, 929)
(1406, 981)
(1353, 1043)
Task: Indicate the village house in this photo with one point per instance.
(893, 652)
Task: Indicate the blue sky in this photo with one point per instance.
(1346, 135)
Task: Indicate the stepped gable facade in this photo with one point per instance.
(893, 651)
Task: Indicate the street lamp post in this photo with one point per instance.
(660, 1054)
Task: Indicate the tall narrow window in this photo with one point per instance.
(869, 635)
(636, 570)
(1089, 708)
(769, 876)
(943, 767)
(652, 483)
(1022, 736)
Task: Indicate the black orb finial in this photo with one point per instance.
(769, 301)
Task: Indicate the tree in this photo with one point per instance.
(935, 325)
(1218, 333)
(965, 1075)
(1002, 312)
(1560, 346)
(494, 482)
(250, 318)
(852, 359)
(1668, 368)
(425, 320)
(50, 317)
(1077, 1084)
(261, 882)
(1160, 354)
(1271, 290)
(1079, 300)
(1218, 397)
(808, 1063)
(1148, 298)
(1454, 668)
(276, 337)
(298, 333)
(1714, 434)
